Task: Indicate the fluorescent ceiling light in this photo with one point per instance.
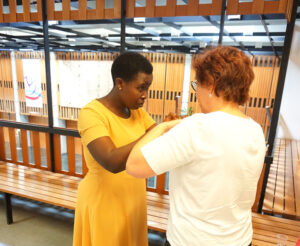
(156, 38)
(258, 45)
(234, 17)
(139, 19)
(175, 32)
(52, 22)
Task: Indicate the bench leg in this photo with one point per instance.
(8, 207)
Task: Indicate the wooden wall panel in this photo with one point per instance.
(6, 84)
(26, 10)
(174, 81)
(12, 11)
(2, 145)
(1, 11)
(256, 7)
(155, 101)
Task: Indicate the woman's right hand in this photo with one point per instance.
(169, 124)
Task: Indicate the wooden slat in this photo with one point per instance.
(1, 11)
(171, 8)
(117, 8)
(40, 11)
(26, 10)
(12, 11)
(82, 6)
(296, 171)
(160, 184)
(48, 152)
(279, 191)
(50, 9)
(193, 7)
(100, 9)
(36, 148)
(66, 8)
(24, 146)
(130, 7)
(271, 7)
(150, 8)
(13, 144)
(57, 153)
(289, 198)
(257, 6)
(232, 7)
(71, 154)
(2, 143)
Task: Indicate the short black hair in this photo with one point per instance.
(127, 65)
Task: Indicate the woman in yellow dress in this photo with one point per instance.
(111, 205)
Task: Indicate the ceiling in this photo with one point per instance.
(255, 34)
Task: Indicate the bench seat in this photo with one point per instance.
(60, 190)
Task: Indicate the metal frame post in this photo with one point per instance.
(278, 97)
(48, 82)
(123, 26)
(8, 208)
(222, 22)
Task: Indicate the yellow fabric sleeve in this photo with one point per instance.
(91, 125)
(148, 121)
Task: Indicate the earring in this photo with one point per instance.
(120, 88)
(209, 94)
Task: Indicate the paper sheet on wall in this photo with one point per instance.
(32, 82)
(83, 81)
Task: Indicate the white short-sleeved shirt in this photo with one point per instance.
(215, 161)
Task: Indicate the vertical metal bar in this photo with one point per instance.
(278, 97)
(9, 217)
(48, 82)
(222, 22)
(123, 26)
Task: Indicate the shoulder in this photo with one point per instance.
(139, 113)
(93, 109)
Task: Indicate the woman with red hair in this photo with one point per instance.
(215, 157)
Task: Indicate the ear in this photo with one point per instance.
(119, 83)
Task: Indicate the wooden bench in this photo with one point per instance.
(283, 188)
(60, 190)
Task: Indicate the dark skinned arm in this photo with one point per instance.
(108, 156)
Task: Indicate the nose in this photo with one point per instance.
(144, 95)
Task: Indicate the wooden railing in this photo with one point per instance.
(31, 148)
(29, 11)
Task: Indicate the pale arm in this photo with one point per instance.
(108, 156)
(136, 164)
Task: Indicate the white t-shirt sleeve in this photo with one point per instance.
(171, 150)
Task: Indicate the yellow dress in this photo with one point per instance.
(111, 208)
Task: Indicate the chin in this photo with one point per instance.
(135, 107)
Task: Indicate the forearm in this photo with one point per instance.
(116, 161)
(137, 165)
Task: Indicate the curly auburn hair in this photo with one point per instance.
(228, 70)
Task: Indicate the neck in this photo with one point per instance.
(113, 101)
(228, 107)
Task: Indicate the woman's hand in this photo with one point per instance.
(169, 124)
